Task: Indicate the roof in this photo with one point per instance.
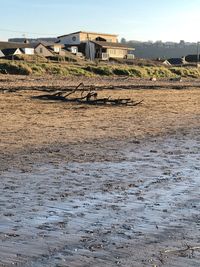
(9, 51)
(97, 33)
(44, 43)
(47, 43)
(176, 61)
(112, 45)
(192, 58)
(7, 45)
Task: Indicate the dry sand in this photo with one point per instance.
(99, 186)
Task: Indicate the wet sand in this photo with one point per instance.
(99, 186)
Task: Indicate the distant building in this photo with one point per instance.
(5, 45)
(105, 50)
(28, 51)
(93, 45)
(11, 51)
(42, 50)
(45, 49)
(192, 58)
(175, 61)
(10, 48)
(77, 38)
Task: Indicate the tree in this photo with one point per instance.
(123, 41)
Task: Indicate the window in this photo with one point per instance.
(41, 50)
(56, 49)
(74, 38)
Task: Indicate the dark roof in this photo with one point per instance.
(47, 43)
(112, 45)
(33, 40)
(176, 61)
(88, 33)
(9, 51)
(192, 58)
(34, 45)
(5, 45)
(44, 43)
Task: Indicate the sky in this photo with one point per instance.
(142, 20)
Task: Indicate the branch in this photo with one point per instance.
(90, 97)
(188, 248)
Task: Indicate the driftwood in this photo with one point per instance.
(89, 97)
(181, 251)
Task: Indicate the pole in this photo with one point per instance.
(197, 54)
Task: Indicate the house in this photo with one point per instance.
(53, 47)
(93, 45)
(11, 51)
(175, 61)
(5, 45)
(105, 50)
(25, 48)
(77, 38)
(41, 49)
(192, 58)
(47, 49)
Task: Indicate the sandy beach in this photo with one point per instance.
(108, 186)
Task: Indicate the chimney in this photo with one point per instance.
(26, 41)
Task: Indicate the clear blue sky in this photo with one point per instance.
(167, 20)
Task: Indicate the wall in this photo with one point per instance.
(92, 36)
(57, 48)
(77, 38)
(43, 51)
(117, 53)
(90, 51)
(71, 39)
(1, 54)
(17, 52)
(28, 51)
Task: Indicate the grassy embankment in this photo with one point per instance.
(36, 67)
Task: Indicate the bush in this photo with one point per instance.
(15, 68)
(186, 72)
(138, 72)
(100, 70)
(78, 71)
(37, 69)
(57, 70)
(62, 58)
(120, 71)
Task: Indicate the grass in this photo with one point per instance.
(100, 70)
(15, 68)
(20, 67)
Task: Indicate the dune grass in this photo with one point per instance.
(41, 68)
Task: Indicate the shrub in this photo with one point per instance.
(186, 72)
(100, 70)
(37, 69)
(78, 71)
(120, 71)
(62, 58)
(138, 72)
(15, 68)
